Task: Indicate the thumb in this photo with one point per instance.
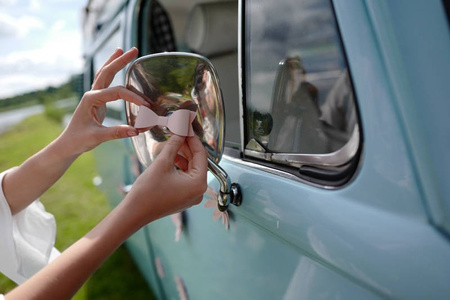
(119, 132)
(172, 147)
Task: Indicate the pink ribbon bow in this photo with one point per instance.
(179, 122)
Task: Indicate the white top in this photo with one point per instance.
(26, 239)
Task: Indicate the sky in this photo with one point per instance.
(40, 44)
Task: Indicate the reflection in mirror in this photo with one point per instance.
(173, 81)
(170, 82)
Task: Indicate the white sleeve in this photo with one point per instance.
(26, 239)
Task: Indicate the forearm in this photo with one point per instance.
(159, 191)
(65, 275)
(84, 132)
(37, 174)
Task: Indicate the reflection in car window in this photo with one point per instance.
(298, 93)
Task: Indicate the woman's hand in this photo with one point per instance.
(162, 189)
(159, 191)
(85, 131)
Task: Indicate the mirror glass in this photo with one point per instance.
(169, 82)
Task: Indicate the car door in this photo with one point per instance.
(265, 252)
(331, 206)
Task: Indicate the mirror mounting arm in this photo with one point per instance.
(229, 192)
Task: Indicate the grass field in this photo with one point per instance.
(77, 206)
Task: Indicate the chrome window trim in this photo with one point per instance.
(278, 172)
(241, 75)
(333, 159)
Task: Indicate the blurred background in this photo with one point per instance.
(41, 44)
(40, 59)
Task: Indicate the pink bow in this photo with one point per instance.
(179, 122)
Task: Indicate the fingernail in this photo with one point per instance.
(132, 133)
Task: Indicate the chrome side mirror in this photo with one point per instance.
(172, 81)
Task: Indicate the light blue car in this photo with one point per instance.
(333, 147)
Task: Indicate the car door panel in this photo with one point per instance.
(269, 232)
(248, 261)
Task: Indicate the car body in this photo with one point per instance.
(364, 214)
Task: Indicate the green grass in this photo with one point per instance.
(77, 206)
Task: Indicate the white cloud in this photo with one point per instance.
(7, 2)
(51, 64)
(10, 26)
(59, 25)
(35, 4)
(7, 26)
(41, 44)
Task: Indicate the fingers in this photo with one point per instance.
(181, 162)
(114, 64)
(183, 157)
(198, 200)
(118, 132)
(170, 150)
(113, 56)
(199, 159)
(100, 97)
(185, 151)
(196, 167)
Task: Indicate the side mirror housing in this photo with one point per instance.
(172, 81)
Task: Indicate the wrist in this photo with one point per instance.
(64, 149)
(138, 213)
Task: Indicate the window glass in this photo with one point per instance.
(298, 92)
(115, 108)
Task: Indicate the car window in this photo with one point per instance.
(298, 94)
